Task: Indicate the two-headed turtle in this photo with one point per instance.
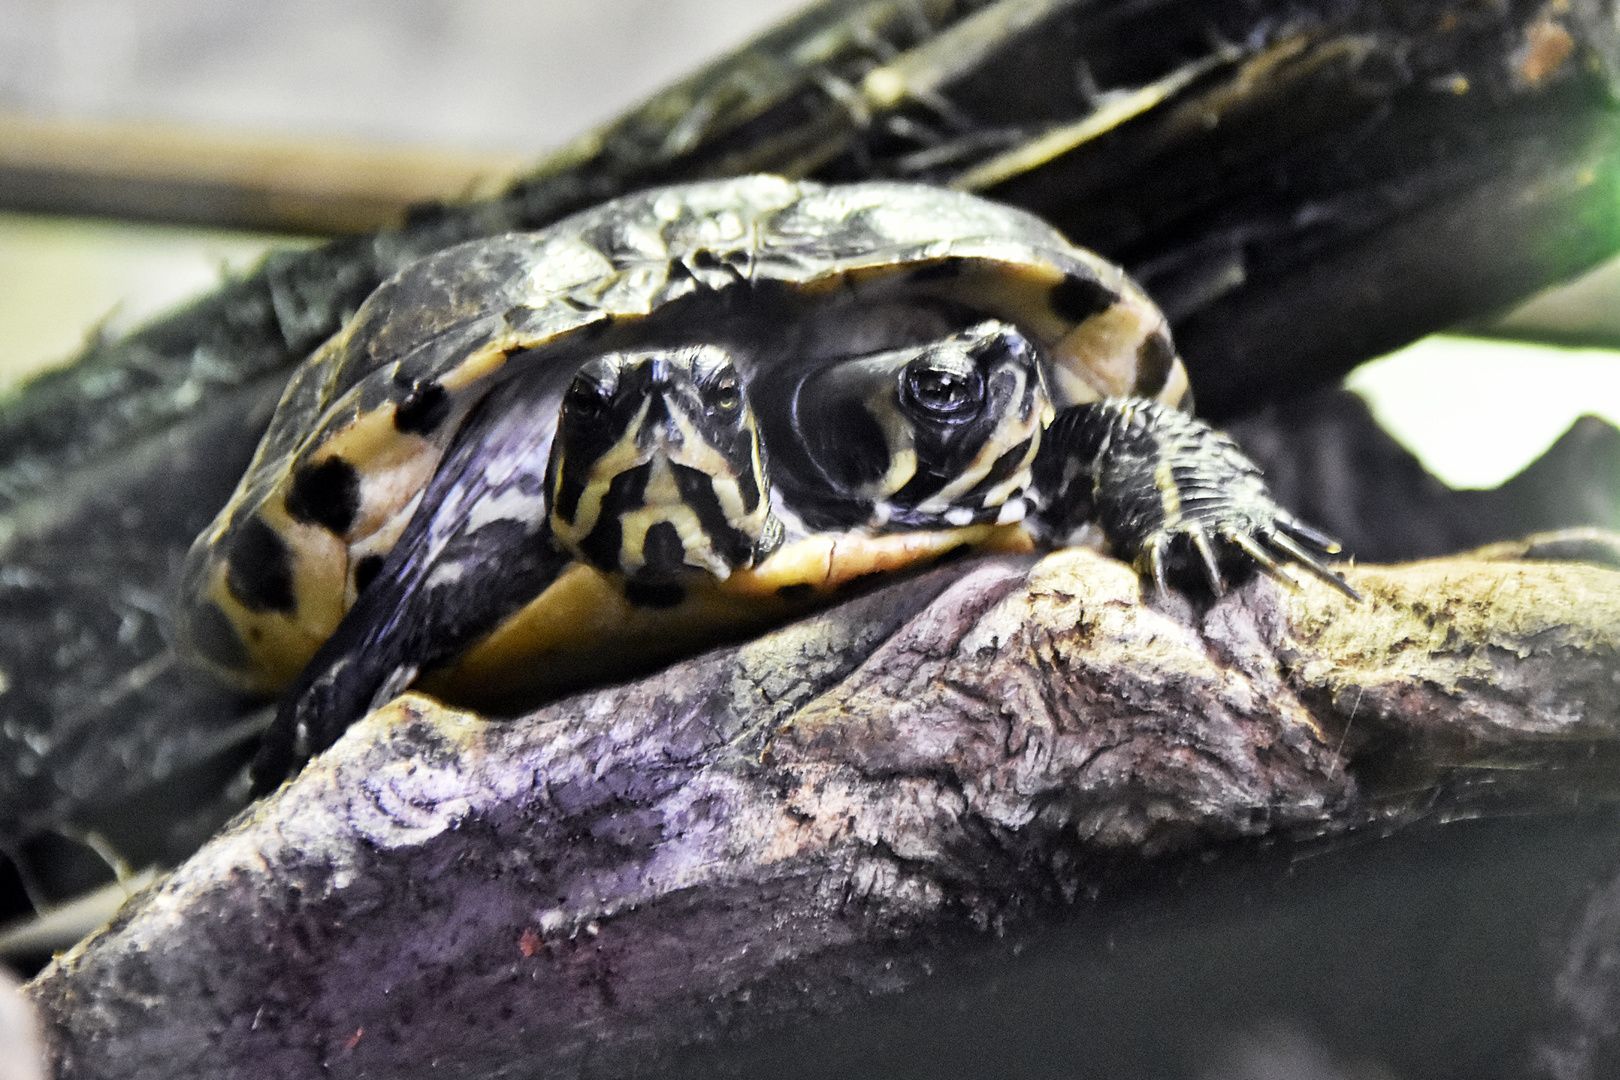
(543, 460)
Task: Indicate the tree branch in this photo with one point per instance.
(767, 827)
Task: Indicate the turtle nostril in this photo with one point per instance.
(658, 427)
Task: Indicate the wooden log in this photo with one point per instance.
(776, 827)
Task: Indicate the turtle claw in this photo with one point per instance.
(1251, 547)
(1319, 540)
(1212, 565)
(1280, 539)
(1166, 490)
(1156, 550)
(1268, 547)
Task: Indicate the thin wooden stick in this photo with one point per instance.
(280, 183)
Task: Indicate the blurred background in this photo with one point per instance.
(413, 98)
(503, 75)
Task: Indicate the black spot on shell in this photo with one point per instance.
(940, 270)
(214, 637)
(423, 410)
(258, 568)
(1154, 359)
(366, 571)
(653, 594)
(1077, 298)
(327, 495)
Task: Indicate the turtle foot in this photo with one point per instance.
(1171, 495)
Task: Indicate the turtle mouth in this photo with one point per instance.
(670, 517)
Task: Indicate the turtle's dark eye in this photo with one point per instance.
(942, 392)
(586, 397)
(726, 394)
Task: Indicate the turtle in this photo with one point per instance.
(918, 372)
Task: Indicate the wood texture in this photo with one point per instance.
(772, 828)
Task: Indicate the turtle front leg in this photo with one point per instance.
(1166, 489)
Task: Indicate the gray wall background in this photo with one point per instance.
(500, 74)
(505, 75)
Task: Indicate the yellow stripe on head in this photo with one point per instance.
(657, 469)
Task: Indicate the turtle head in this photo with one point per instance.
(657, 466)
(926, 437)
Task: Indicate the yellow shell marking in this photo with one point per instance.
(583, 630)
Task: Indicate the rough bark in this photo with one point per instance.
(769, 828)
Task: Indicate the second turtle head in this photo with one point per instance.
(931, 436)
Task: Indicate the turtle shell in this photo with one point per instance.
(364, 423)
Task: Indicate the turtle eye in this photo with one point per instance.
(943, 392)
(586, 397)
(725, 393)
